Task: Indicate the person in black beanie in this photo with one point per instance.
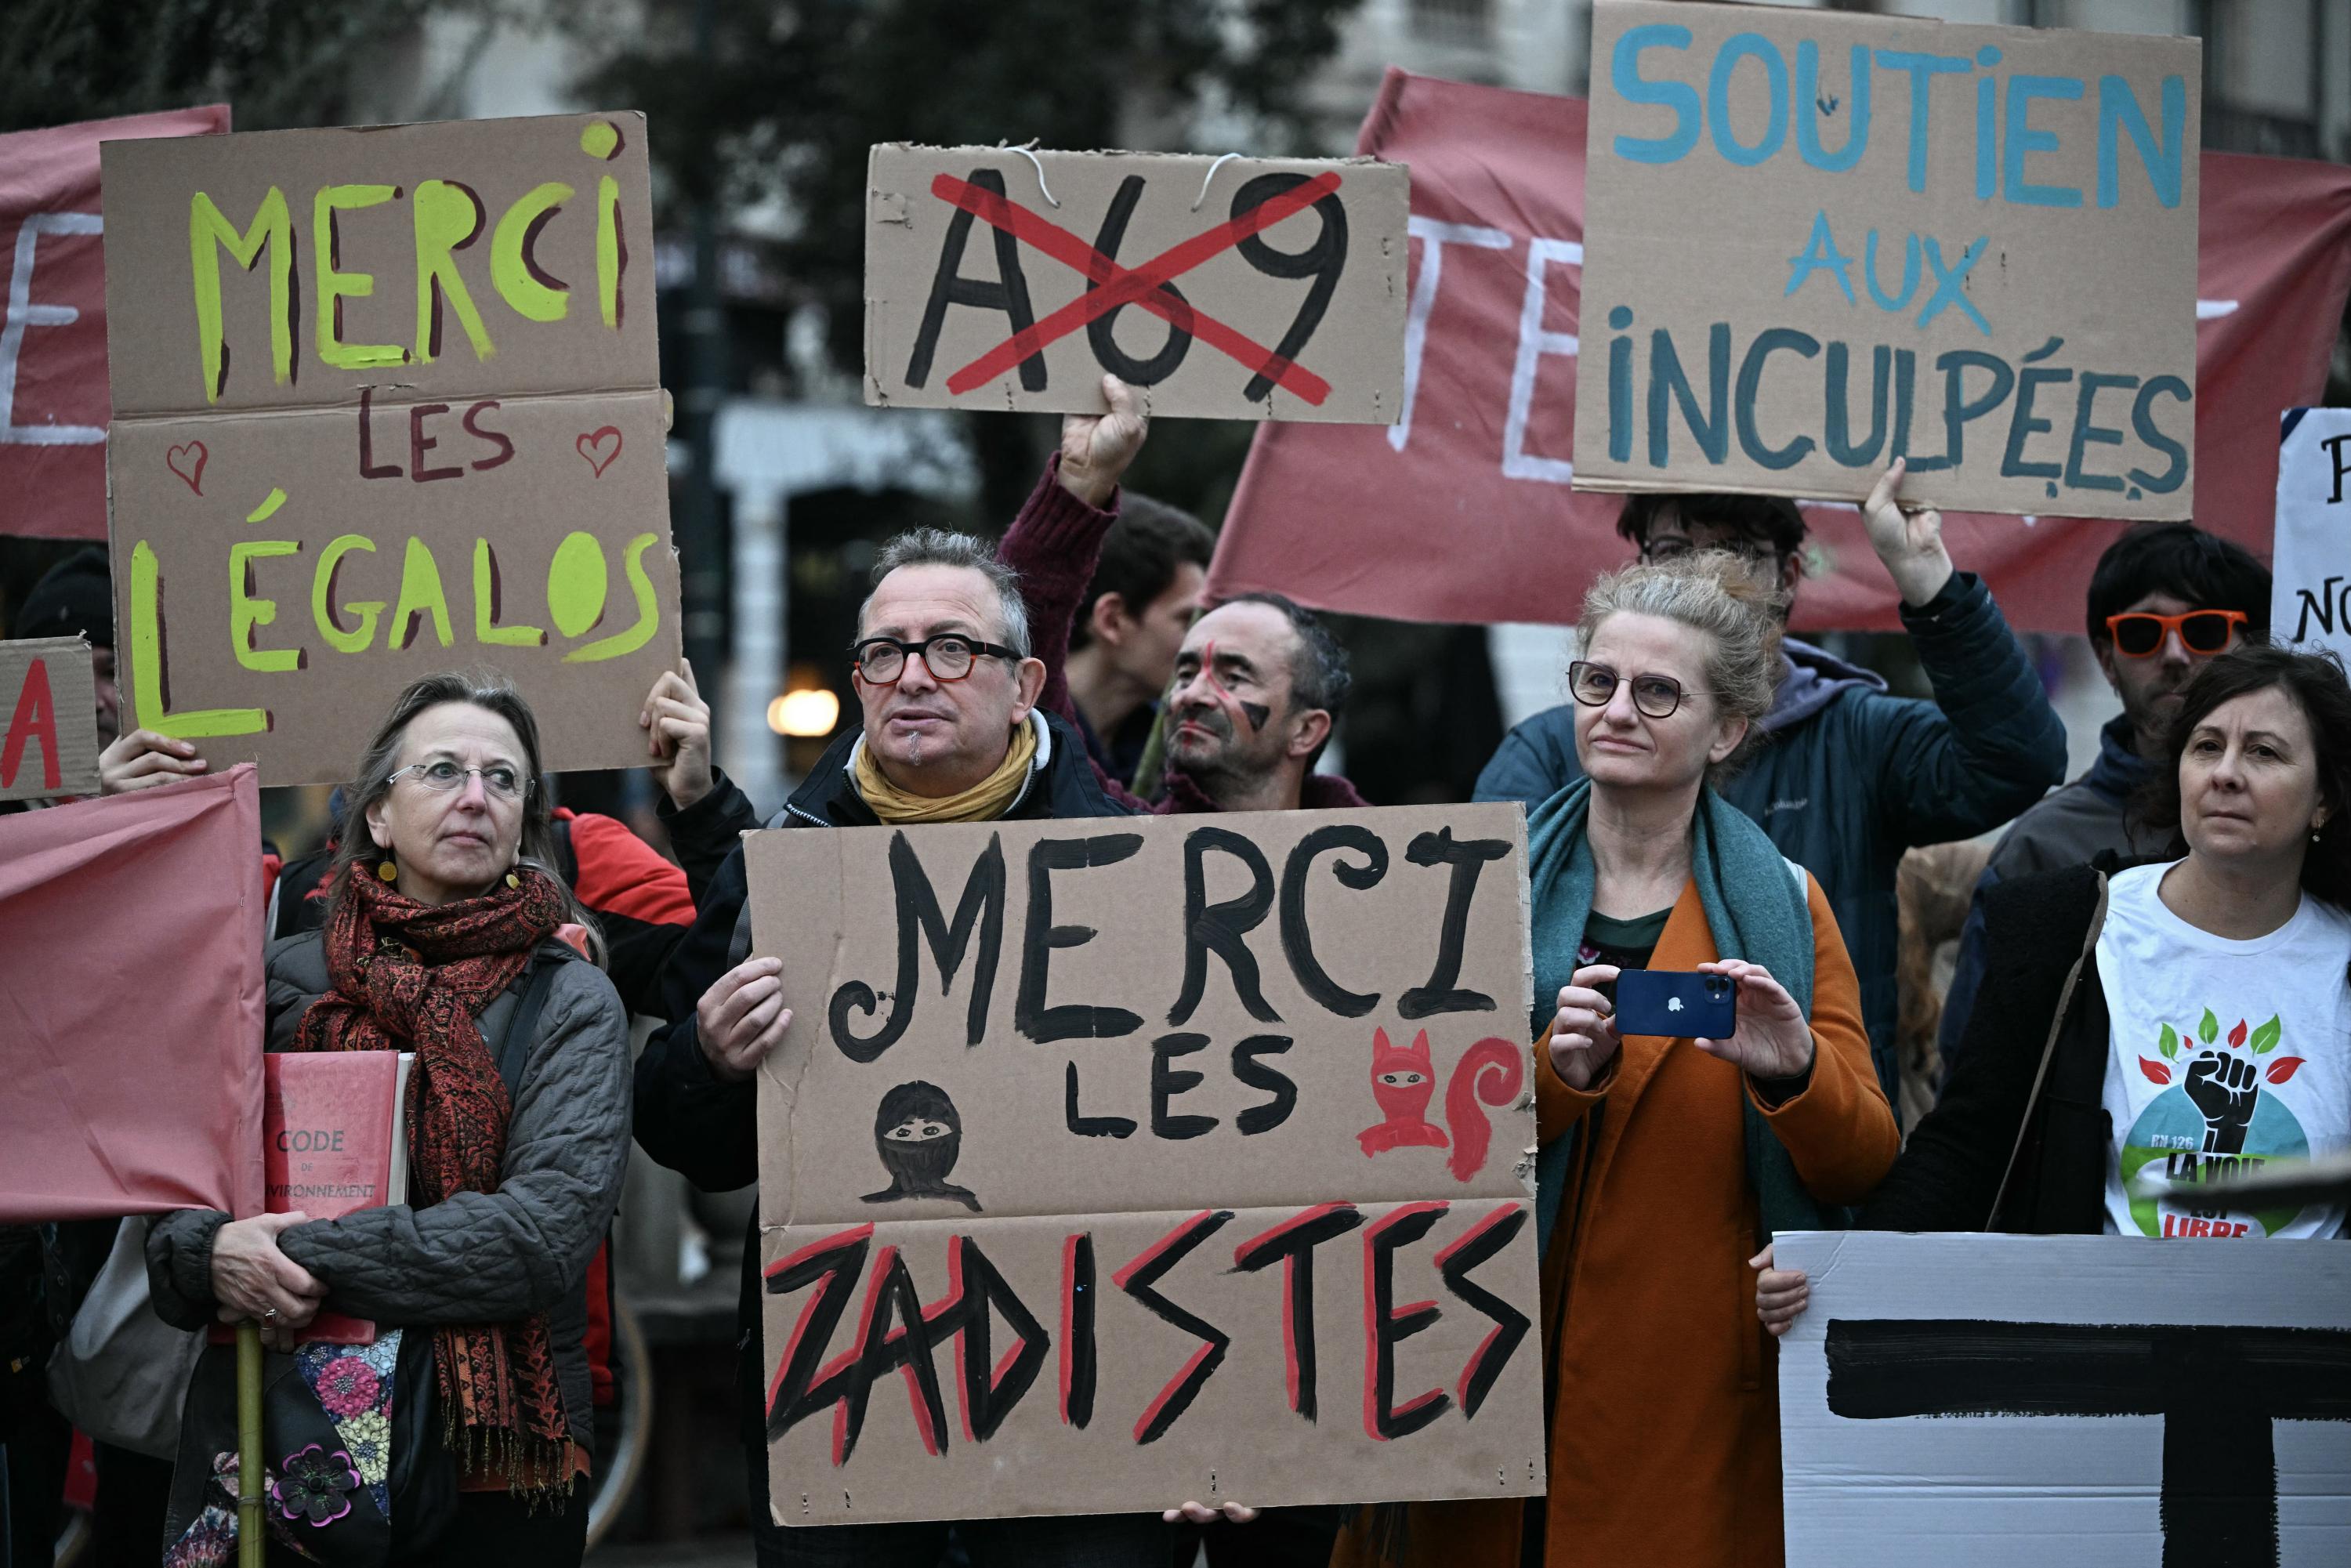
(75, 597)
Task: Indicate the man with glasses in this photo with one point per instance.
(951, 733)
(1850, 776)
(2165, 598)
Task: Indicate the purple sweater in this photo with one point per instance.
(1054, 545)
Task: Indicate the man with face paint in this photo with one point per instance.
(1260, 680)
(919, 1137)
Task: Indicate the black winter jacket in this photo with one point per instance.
(2041, 965)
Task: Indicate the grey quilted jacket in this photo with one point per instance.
(476, 1257)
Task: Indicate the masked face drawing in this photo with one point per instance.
(1401, 1083)
(919, 1137)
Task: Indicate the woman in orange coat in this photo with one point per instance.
(1665, 1163)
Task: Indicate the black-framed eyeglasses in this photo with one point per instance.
(1593, 685)
(499, 780)
(1673, 547)
(949, 656)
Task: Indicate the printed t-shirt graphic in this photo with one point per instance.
(2226, 1056)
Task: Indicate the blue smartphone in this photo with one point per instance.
(1682, 1004)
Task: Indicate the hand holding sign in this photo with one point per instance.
(142, 759)
(1096, 448)
(1909, 539)
(741, 1018)
(252, 1279)
(676, 722)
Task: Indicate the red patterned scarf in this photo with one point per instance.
(413, 976)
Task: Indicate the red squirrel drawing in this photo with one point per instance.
(1404, 1081)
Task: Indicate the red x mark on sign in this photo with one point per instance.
(1116, 286)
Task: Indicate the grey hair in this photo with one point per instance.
(1711, 592)
(493, 694)
(939, 546)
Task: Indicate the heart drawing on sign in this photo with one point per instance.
(188, 462)
(601, 447)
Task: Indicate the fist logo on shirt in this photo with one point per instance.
(2223, 1088)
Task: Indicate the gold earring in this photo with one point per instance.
(387, 870)
(513, 880)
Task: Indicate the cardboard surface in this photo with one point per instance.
(1924, 1400)
(1412, 519)
(1340, 1050)
(2310, 594)
(1990, 231)
(1218, 312)
(49, 719)
(363, 447)
(53, 320)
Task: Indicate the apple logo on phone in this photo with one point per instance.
(1673, 1004)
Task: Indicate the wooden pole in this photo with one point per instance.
(249, 1466)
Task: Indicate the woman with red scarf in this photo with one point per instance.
(442, 913)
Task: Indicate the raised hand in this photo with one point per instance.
(1909, 539)
(1773, 1040)
(741, 1018)
(1202, 1513)
(1584, 1038)
(676, 723)
(1097, 448)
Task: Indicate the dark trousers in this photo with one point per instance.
(32, 1486)
(1073, 1540)
(1277, 1538)
(126, 1519)
(498, 1530)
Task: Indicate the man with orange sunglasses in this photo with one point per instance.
(2165, 598)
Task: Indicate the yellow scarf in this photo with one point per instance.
(982, 803)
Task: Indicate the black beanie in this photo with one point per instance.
(75, 597)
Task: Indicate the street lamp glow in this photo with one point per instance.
(809, 715)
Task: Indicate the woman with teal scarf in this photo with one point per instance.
(1665, 1163)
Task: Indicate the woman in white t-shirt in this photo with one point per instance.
(2184, 1018)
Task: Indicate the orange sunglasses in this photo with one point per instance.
(2139, 633)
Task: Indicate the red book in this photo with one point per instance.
(335, 1143)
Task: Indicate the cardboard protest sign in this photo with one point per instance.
(1491, 373)
(53, 407)
(1963, 1399)
(110, 1111)
(1231, 287)
(1816, 241)
(385, 403)
(1140, 1163)
(2309, 591)
(49, 702)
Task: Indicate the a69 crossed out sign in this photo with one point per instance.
(1230, 288)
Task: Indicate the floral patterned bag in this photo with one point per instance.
(355, 1476)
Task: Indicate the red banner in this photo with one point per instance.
(53, 403)
(1462, 511)
(130, 1003)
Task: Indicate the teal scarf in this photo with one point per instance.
(1756, 910)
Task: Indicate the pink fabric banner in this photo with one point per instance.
(1463, 511)
(53, 402)
(130, 1003)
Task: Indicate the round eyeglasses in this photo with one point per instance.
(501, 782)
(949, 656)
(1593, 685)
